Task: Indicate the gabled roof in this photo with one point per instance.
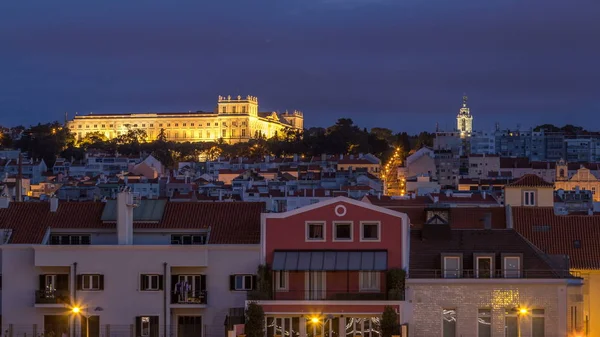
(332, 201)
(530, 180)
(558, 234)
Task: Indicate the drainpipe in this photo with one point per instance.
(165, 292)
(74, 292)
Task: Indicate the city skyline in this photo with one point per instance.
(519, 64)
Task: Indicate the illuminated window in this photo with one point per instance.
(176, 134)
(145, 326)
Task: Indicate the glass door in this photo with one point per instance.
(315, 285)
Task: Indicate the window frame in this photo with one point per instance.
(535, 315)
(512, 256)
(243, 276)
(362, 226)
(490, 257)
(480, 315)
(334, 231)
(279, 276)
(361, 285)
(455, 320)
(446, 271)
(307, 225)
(91, 281)
(149, 281)
(146, 320)
(527, 200)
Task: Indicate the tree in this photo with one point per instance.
(389, 322)
(255, 320)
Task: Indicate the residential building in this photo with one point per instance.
(529, 190)
(488, 283)
(422, 185)
(575, 236)
(480, 166)
(136, 267)
(448, 168)
(234, 120)
(331, 264)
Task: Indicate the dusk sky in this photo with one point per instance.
(402, 64)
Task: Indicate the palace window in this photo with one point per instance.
(224, 110)
(103, 126)
(244, 109)
(168, 125)
(243, 132)
(87, 126)
(95, 126)
(176, 134)
(143, 125)
(160, 125)
(176, 124)
(233, 109)
(244, 123)
(224, 133)
(192, 124)
(207, 124)
(79, 126)
(184, 124)
(232, 133)
(112, 125)
(151, 125)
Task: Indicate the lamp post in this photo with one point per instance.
(85, 313)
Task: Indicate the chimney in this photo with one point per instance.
(125, 206)
(483, 194)
(487, 221)
(53, 204)
(4, 201)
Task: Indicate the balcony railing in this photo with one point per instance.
(487, 274)
(52, 297)
(328, 295)
(192, 297)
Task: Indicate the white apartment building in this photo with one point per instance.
(145, 268)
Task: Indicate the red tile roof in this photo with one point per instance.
(557, 234)
(530, 180)
(230, 222)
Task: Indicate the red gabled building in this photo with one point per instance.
(332, 266)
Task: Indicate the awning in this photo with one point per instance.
(330, 260)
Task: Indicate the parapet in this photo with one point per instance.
(228, 98)
(294, 113)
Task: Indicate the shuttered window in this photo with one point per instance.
(151, 282)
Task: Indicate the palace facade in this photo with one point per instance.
(234, 120)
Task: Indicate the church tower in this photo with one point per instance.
(464, 119)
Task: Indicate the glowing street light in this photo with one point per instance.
(314, 320)
(75, 310)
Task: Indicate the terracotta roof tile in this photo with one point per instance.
(530, 180)
(557, 234)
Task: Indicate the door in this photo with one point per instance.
(189, 326)
(56, 325)
(196, 287)
(315, 285)
(94, 322)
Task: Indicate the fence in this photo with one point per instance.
(113, 330)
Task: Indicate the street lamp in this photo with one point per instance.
(520, 312)
(85, 313)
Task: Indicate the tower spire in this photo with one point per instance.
(464, 100)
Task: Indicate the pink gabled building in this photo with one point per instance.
(331, 264)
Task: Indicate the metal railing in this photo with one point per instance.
(326, 295)
(52, 297)
(192, 297)
(489, 274)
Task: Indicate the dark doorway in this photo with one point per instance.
(94, 322)
(189, 326)
(56, 325)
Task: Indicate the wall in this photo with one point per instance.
(290, 233)
(430, 298)
(544, 197)
(121, 266)
(591, 300)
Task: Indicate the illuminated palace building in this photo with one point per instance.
(235, 120)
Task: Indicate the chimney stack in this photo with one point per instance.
(53, 204)
(125, 206)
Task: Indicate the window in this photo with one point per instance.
(369, 281)
(70, 239)
(151, 282)
(452, 266)
(369, 231)
(151, 125)
(342, 231)
(176, 125)
(90, 282)
(315, 231)
(145, 326)
(512, 267)
(224, 110)
(224, 133)
(529, 198)
(484, 323)
(537, 323)
(449, 323)
(188, 239)
(184, 124)
(244, 109)
(484, 266)
(511, 323)
(281, 280)
(241, 282)
(233, 109)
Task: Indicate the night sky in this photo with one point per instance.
(402, 64)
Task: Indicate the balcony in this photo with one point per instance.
(52, 297)
(489, 274)
(192, 298)
(326, 295)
